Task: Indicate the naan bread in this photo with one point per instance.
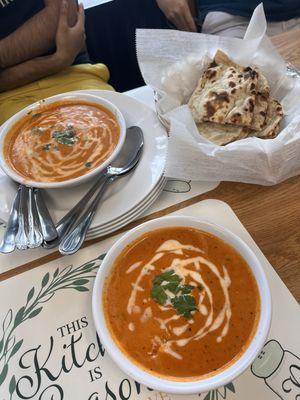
(261, 102)
(273, 119)
(225, 94)
(232, 102)
(222, 134)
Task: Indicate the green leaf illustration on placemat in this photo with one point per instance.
(67, 278)
(220, 393)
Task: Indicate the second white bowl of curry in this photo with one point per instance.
(61, 141)
(181, 305)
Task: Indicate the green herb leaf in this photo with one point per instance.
(185, 289)
(184, 305)
(183, 302)
(66, 136)
(159, 295)
(88, 164)
(167, 281)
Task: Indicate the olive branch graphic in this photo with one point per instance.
(220, 393)
(67, 278)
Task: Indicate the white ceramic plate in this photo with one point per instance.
(129, 218)
(142, 204)
(125, 194)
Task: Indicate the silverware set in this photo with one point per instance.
(30, 224)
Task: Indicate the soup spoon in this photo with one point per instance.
(128, 160)
(70, 218)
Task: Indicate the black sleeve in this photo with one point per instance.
(14, 13)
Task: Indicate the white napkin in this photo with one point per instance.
(172, 62)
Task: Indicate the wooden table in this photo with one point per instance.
(270, 214)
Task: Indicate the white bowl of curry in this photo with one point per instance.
(181, 305)
(61, 141)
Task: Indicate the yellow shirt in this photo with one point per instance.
(76, 77)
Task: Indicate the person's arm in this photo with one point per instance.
(36, 36)
(179, 13)
(69, 42)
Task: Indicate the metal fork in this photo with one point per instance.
(29, 222)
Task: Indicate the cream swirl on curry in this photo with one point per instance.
(181, 303)
(61, 141)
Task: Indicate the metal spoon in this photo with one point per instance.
(34, 237)
(8, 242)
(70, 218)
(127, 162)
(21, 236)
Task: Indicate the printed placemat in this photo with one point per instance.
(49, 348)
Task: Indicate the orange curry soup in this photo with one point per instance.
(181, 303)
(61, 140)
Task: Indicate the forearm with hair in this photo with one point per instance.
(30, 71)
(36, 36)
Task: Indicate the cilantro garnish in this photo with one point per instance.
(169, 282)
(88, 164)
(184, 305)
(66, 136)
